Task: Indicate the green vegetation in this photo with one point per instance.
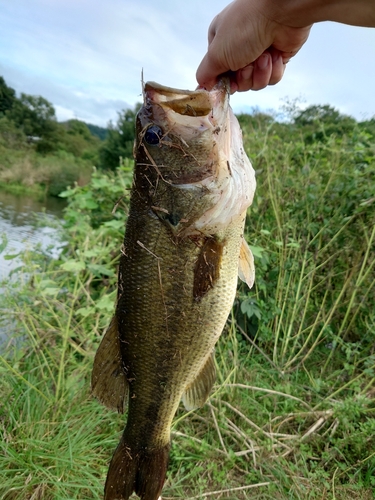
(41, 155)
(292, 413)
(100, 132)
(119, 140)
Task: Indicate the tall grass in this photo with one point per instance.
(51, 174)
(292, 413)
(319, 247)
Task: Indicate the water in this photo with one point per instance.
(19, 216)
(26, 223)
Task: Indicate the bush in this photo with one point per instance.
(291, 416)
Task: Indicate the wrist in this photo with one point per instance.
(302, 13)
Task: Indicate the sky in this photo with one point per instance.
(86, 57)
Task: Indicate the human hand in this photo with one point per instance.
(247, 40)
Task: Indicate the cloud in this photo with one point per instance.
(86, 56)
(334, 67)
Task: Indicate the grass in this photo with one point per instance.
(49, 422)
(26, 171)
(292, 413)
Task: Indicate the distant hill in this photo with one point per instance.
(100, 132)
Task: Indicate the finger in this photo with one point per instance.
(206, 73)
(244, 79)
(262, 71)
(210, 66)
(278, 67)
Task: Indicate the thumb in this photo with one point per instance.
(209, 69)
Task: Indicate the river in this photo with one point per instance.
(26, 222)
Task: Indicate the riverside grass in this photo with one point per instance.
(292, 413)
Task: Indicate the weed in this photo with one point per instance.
(292, 413)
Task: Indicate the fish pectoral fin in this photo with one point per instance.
(246, 268)
(108, 381)
(196, 394)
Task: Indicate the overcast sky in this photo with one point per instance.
(86, 56)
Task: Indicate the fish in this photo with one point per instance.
(183, 251)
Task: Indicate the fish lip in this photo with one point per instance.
(194, 103)
(223, 84)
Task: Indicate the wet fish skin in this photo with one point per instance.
(182, 252)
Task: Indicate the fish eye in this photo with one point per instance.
(153, 135)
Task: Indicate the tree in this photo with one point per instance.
(368, 126)
(120, 139)
(255, 120)
(76, 138)
(34, 114)
(100, 132)
(36, 117)
(7, 96)
(319, 122)
(77, 127)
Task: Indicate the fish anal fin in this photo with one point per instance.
(196, 394)
(139, 469)
(207, 267)
(108, 381)
(246, 268)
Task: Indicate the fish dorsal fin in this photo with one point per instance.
(108, 381)
(246, 268)
(197, 392)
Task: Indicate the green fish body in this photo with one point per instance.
(183, 251)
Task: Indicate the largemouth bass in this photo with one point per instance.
(182, 253)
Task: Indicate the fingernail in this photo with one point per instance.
(247, 72)
(263, 61)
(233, 87)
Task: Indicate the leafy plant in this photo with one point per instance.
(292, 413)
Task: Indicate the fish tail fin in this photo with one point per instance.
(140, 470)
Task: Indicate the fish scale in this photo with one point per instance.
(183, 250)
(168, 313)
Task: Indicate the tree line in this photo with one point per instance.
(31, 120)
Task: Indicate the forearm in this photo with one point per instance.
(256, 38)
(299, 13)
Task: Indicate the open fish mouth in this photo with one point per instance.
(185, 113)
(197, 102)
